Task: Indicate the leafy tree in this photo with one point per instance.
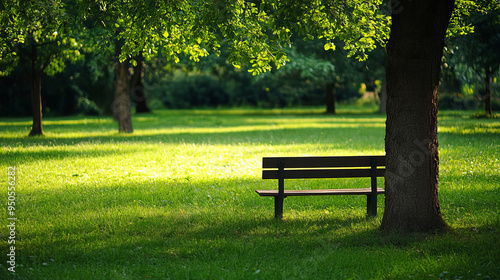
(303, 75)
(40, 36)
(479, 49)
(347, 70)
(106, 21)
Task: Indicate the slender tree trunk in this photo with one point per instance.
(138, 93)
(383, 98)
(487, 80)
(121, 105)
(35, 79)
(414, 50)
(330, 98)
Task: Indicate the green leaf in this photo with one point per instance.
(329, 46)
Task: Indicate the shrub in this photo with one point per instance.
(88, 107)
(192, 91)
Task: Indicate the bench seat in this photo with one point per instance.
(361, 191)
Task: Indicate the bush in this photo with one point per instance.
(193, 91)
(495, 104)
(450, 102)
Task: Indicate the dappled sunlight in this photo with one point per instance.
(64, 129)
(180, 191)
(331, 120)
(493, 128)
(271, 127)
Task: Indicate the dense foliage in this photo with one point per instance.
(172, 41)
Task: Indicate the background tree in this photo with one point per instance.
(303, 75)
(479, 50)
(349, 72)
(111, 19)
(122, 88)
(40, 36)
(137, 86)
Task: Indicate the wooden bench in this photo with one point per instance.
(282, 168)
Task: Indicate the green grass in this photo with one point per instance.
(176, 200)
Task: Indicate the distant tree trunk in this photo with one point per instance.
(138, 93)
(121, 105)
(330, 98)
(383, 98)
(34, 74)
(415, 49)
(487, 80)
(35, 80)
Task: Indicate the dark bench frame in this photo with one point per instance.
(282, 168)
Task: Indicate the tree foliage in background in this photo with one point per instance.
(253, 34)
(479, 50)
(215, 82)
(41, 36)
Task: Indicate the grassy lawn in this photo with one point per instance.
(176, 200)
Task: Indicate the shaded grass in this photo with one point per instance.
(175, 200)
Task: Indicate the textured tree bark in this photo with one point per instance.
(121, 105)
(415, 49)
(487, 80)
(330, 98)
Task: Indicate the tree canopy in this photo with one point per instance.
(479, 50)
(40, 31)
(40, 36)
(253, 34)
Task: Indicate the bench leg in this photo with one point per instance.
(278, 207)
(371, 204)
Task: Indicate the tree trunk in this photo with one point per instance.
(138, 93)
(330, 98)
(35, 80)
(383, 98)
(414, 50)
(487, 98)
(121, 105)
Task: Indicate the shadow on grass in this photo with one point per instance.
(105, 231)
(169, 231)
(170, 243)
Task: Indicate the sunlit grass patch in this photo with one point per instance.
(175, 199)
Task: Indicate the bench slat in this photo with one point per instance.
(317, 162)
(362, 191)
(321, 173)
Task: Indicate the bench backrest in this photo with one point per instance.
(322, 167)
